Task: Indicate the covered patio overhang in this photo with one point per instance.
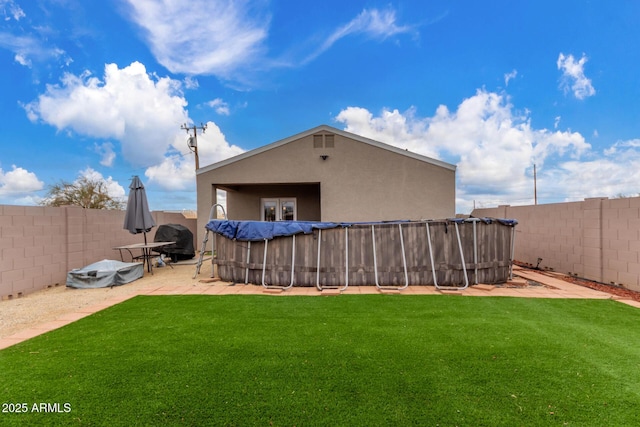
(248, 201)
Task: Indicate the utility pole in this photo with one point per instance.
(192, 142)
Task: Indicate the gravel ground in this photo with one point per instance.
(49, 304)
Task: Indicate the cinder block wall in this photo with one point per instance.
(596, 239)
(39, 245)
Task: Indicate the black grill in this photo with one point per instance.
(182, 249)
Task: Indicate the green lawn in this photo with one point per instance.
(370, 360)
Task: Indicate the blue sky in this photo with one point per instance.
(101, 88)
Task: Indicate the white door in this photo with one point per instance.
(278, 209)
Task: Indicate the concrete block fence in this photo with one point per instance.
(39, 245)
(596, 239)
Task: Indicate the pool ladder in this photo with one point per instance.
(213, 212)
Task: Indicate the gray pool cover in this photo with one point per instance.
(105, 273)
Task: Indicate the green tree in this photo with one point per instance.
(84, 192)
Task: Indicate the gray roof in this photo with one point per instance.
(326, 128)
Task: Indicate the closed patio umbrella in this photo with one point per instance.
(138, 218)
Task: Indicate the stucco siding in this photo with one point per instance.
(358, 181)
(368, 183)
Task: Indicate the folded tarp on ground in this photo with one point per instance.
(105, 273)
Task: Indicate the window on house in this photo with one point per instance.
(288, 210)
(317, 141)
(283, 209)
(269, 210)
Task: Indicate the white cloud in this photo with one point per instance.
(191, 82)
(608, 176)
(106, 153)
(393, 127)
(27, 49)
(493, 147)
(142, 111)
(19, 180)
(21, 59)
(174, 173)
(18, 186)
(219, 106)
(374, 23)
(177, 170)
(213, 146)
(212, 37)
(510, 76)
(229, 39)
(11, 10)
(573, 77)
(628, 147)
